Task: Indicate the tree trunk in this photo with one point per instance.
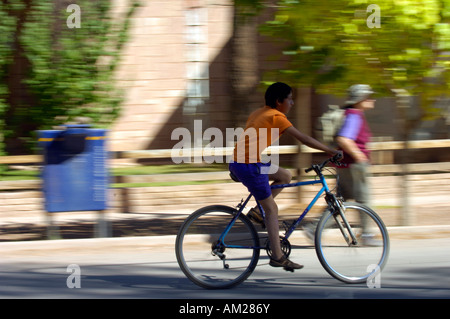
(244, 64)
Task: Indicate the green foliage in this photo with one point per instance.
(71, 70)
(332, 45)
(6, 35)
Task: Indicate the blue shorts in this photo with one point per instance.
(250, 175)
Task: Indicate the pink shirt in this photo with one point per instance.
(356, 128)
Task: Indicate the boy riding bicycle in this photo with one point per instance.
(264, 126)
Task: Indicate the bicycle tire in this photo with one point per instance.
(199, 257)
(353, 262)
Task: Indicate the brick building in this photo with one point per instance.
(173, 68)
(185, 60)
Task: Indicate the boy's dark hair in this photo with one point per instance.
(277, 92)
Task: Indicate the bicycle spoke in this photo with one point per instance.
(352, 260)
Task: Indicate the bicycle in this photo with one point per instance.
(218, 247)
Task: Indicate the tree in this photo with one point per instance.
(6, 34)
(393, 45)
(243, 64)
(54, 70)
(401, 48)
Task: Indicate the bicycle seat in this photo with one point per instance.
(234, 178)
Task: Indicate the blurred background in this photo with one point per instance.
(141, 69)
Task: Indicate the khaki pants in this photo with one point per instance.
(354, 183)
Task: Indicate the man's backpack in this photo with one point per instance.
(329, 124)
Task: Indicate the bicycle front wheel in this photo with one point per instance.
(353, 249)
(217, 249)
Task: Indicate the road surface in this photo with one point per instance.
(144, 267)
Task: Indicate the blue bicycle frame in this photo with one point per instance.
(294, 225)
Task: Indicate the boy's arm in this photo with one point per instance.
(309, 141)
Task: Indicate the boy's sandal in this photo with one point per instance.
(285, 263)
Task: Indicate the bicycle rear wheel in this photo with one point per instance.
(348, 260)
(212, 262)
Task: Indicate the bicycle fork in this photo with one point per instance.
(338, 212)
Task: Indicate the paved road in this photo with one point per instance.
(142, 268)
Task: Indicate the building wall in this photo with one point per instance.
(180, 65)
(174, 45)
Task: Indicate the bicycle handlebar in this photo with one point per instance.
(318, 167)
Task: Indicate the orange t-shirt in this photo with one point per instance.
(264, 126)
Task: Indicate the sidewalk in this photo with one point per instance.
(434, 222)
(166, 243)
(157, 211)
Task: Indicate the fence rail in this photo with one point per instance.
(128, 196)
(227, 151)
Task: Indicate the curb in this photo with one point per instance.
(111, 243)
(419, 232)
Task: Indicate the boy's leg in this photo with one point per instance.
(271, 210)
(282, 176)
(277, 259)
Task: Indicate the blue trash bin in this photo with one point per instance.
(75, 174)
